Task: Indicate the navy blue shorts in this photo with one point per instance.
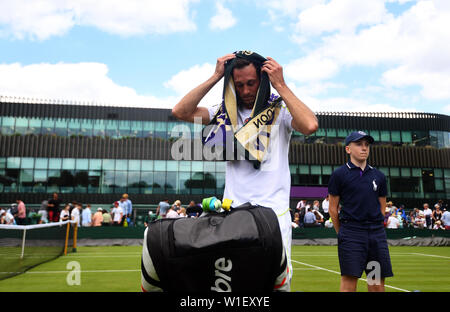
(359, 245)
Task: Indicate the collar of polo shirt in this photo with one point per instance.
(351, 165)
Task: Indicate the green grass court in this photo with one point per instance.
(316, 269)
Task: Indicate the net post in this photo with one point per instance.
(67, 238)
(23, 243)
(75, 234)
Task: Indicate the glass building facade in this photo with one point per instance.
(95, 153)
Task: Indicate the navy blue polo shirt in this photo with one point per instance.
(359, 191)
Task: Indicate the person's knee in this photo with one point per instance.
(348, 283)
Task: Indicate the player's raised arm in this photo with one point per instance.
(187, 109)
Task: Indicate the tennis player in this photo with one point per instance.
(362, 243)
(269, 184)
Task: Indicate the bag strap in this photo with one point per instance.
(267, 223)
(157, 243)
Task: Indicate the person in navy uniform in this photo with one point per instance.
(361, 190)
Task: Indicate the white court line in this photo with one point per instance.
(110, 256)
(426, 255)
(335, 272)
(65, 272)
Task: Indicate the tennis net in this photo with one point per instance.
(25, 246)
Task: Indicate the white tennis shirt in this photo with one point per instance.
(269, 185)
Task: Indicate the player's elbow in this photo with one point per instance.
(312, 127)
(309, 127)
(177, 112)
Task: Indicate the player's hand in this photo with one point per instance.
(220, 64)
(274, 71)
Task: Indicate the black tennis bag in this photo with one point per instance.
(240, 250)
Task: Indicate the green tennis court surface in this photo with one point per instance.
(316, 269)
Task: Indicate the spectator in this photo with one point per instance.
(162, 208)
(124, 206)
(325, 205)
(437, 213)
(310, 219)
(113, 209)
(6, 217)
(176, 205)
(301, 204)
(97, 218)
(117, 214)
(389, 205)
(107, 219)
(438, 226)
(316, 205)
(182, 212)
(127, 209)
(43, 212)
(53, 208)
(21, 212)
(446, 219)
(402, 213)
(297, 219)
(171, 213)
(193, 210)
(319, 217)
(86, 216)
(65, 214)
(75, 214)
(427, 213)
(413, 215)
(393, 222)
(419, 221)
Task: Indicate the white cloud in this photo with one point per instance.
(313, 67)
(287, 7)
(340, 15)
(42, 19)
(186, 80)
(435, 85)
(412, 48)
(85, 82)
(223, 19)
(350, 104)
(89, 82)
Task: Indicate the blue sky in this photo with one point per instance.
(337, 55)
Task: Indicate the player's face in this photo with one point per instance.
(246, 82)
(359, 150)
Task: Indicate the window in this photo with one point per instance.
(134, 165)
(172, 165)
(146, 182)
(95, 164)
(82, 164)
(108, 164)
(428, 180)
(406, 137)
(385, 136)
(396, 136)
(121, 164)
(68, 163)
(13, 163)
(54, 163)
(27, 163)
(61, 127)
(34, 126)
(160, 165)
(48, 126)
(147, 165)
(21, 125)
(7, 125)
